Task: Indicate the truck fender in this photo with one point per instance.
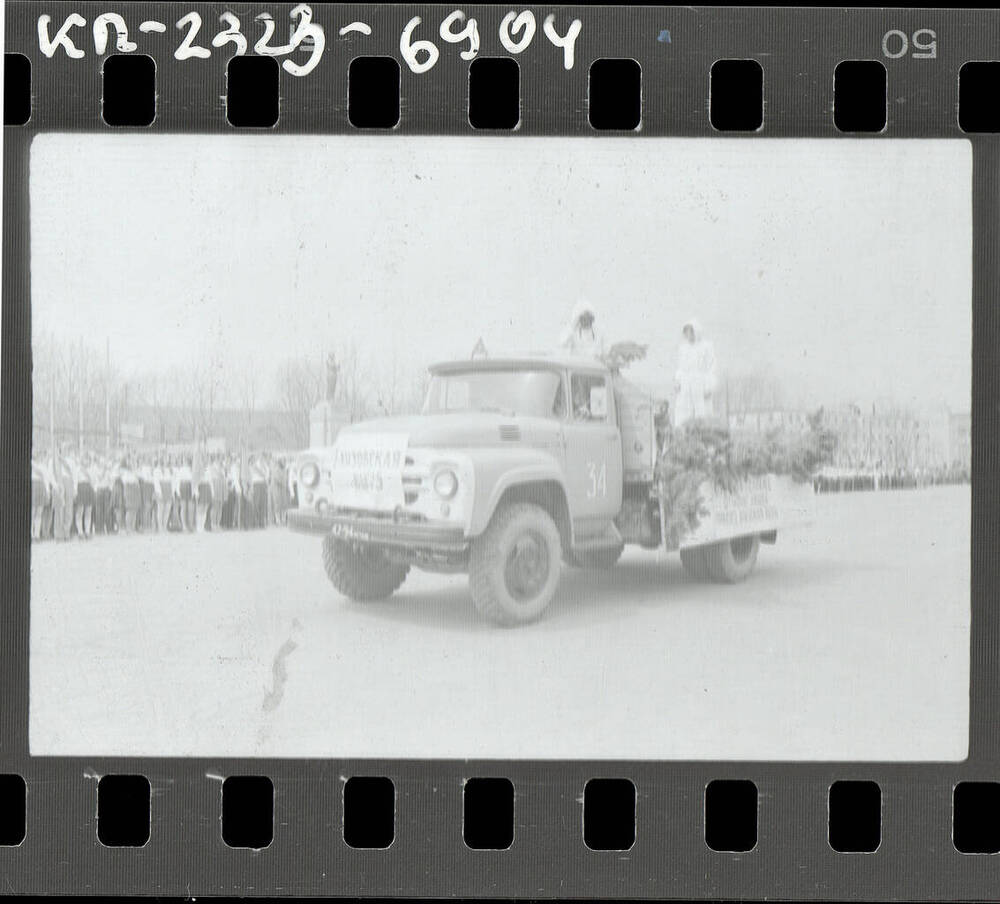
(527, 477)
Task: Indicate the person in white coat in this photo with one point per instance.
(581, 335)
(695, 380)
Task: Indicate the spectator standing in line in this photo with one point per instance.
(83, 498)
(58, 495)
(265, 467)
(146, 493)
(64, 527)
(217, 479)
(202, 491)
(165, 502)
(102, 494)
(293, 486)
(157, 475)
(52, 484)
(132, 496)
(258, 486)
(185, 494)
(235, 495)
(39, 498)
(116, 514)
(279, 481)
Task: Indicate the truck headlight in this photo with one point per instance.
(309, 475)
(445, 484)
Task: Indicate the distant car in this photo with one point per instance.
(515, 466)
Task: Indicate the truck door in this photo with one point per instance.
(593, 454)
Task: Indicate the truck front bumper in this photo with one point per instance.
(440, 538)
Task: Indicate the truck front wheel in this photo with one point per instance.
(361, 573)
(732, 560)
(514, 564)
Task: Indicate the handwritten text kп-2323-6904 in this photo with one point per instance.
(307, 38)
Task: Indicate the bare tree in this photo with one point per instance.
(415, 391)
(354, 384)
(401, 387)
(206, 387)
(300, 388)
(70, 382)
(246, 388)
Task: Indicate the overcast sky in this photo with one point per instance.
(844, 266)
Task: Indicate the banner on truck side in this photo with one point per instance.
(758, 505)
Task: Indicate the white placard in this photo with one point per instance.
(764, 503)
(368, 470)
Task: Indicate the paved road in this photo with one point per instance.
(850, 642)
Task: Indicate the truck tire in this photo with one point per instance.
(732, 560)
(361, 573)
(597, 558)
(695, 562)
(514, 564)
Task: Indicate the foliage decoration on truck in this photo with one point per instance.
(703, 451)
(622, 354)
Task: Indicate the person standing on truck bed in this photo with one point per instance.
(695, 380)
(581, 336)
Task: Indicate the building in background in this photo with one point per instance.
(161, 426)
(960, 437)
(883, 436)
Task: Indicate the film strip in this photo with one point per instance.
(356, 798)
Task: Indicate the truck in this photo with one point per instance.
(515, 467)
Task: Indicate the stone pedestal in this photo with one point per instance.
(325, 421)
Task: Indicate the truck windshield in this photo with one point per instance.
(535, 393)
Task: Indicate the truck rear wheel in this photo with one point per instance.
(695, 562)
(514, 564)
(361, 573)
(732, 560)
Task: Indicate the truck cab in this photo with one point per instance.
(536, 435)
(561, 408)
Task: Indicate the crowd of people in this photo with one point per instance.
(900, 479)
(82, 493)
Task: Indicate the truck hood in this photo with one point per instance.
(464, 430)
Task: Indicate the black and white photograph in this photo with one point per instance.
(548, 448)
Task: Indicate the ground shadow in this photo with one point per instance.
(588, 596)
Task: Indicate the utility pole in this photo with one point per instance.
(107, 394)
(79, 420)
(871, 445)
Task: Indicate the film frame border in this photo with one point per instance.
(792, 857)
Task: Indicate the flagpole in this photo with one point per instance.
(52, 417)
